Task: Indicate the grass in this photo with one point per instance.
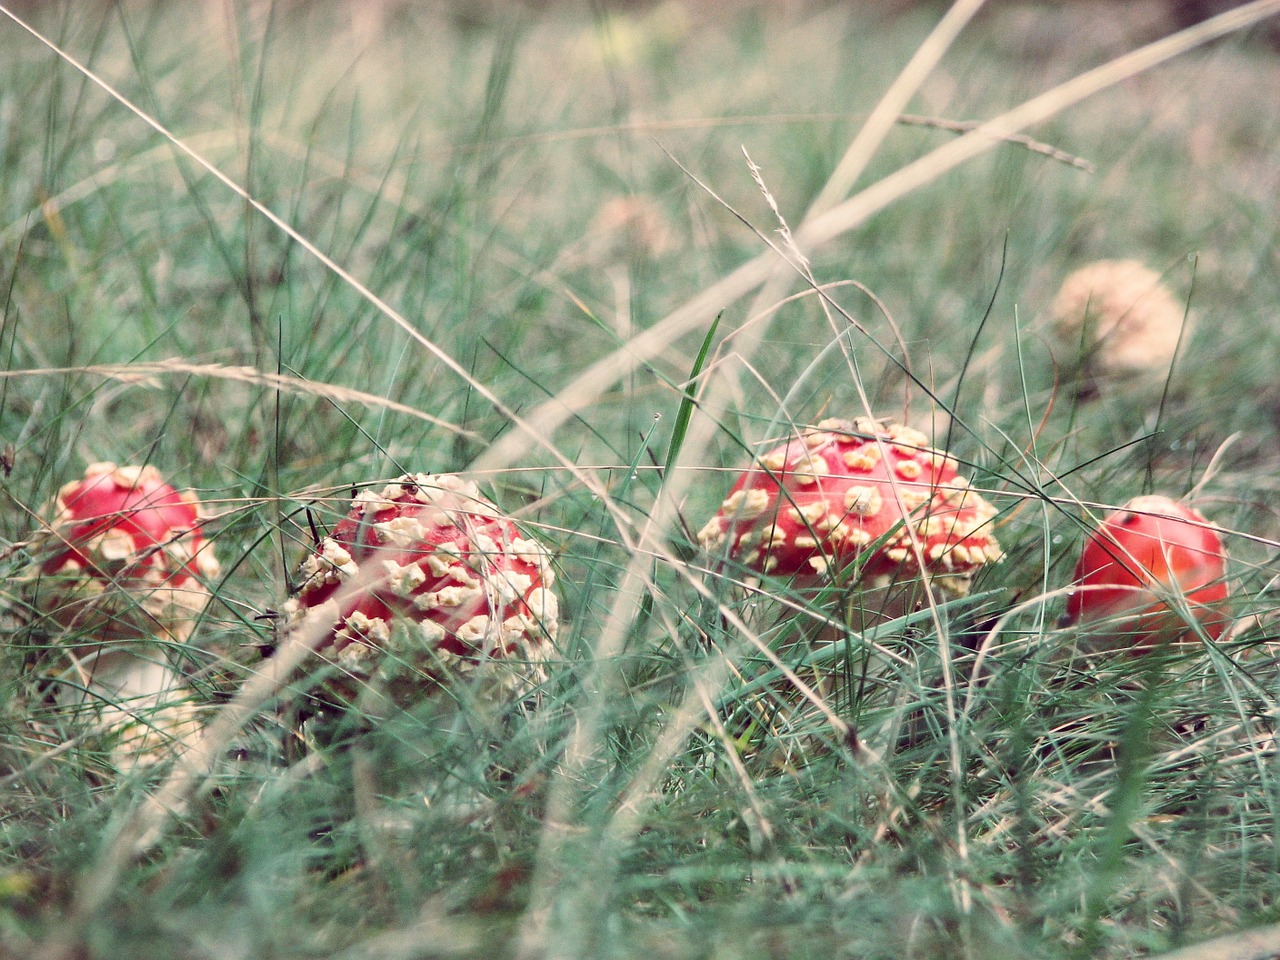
(549, 266)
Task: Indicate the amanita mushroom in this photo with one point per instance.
(126, 557)
(1153, 573)
(857, 496)
(424, 579)
(1121, 318)
(122, 571)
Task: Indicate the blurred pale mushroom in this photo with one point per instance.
(631, 227)
(1120, 321)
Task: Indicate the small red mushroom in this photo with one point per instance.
(124, 557)
(856, 492)
(1153, 573)
(122, 570)
(426, 578)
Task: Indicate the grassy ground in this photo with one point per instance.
(552, 208)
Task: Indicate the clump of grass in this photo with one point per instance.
(278, 278)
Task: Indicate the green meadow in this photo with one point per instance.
(595, 256)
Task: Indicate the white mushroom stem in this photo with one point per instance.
(135, 698)
(121, 676)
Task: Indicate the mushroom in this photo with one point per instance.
(121, 571)
(1154, 573)
(862, 497)
(147, 724)
(423, 580)
(631, 228)
(129, 558)
(1121, 319)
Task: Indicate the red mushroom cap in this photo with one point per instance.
(1145, 555)
(428, 551)
(128, 557)
(856, 490)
